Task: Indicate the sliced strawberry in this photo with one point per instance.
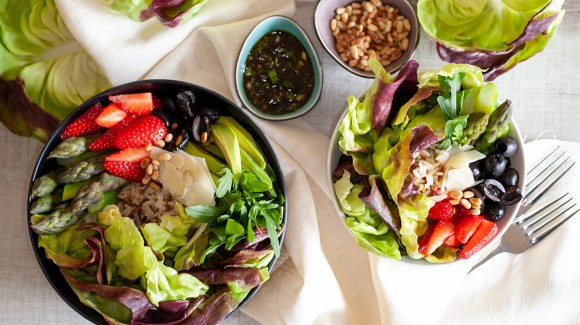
(443, 229)
(85, 124)
(139, 133)
(425, 237)
(442, 210)
(125, 169)
(129, 154)
(110, 116)
(483, 235)
(107, 140)
(452, 241)
(138, 104)
(466, 227)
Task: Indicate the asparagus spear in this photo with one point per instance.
(82, 170)
(55, 223)
(43, 185)
(93, 192)
(44, 204)
(71, 147)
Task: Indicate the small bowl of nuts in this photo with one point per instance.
(354, 31)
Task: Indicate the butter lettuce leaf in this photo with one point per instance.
(494, 35)
(44, 71)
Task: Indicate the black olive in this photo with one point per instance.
(162, 115)
(168, 105)
(492, 189)
(494, 165)
(195, 129)
(506, 146)
(494, 211)
(476, 170)
(212, 113)
(509, 177)
(510, 198)
(186, 102)
(512, 188)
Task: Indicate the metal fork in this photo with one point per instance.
(534, 224)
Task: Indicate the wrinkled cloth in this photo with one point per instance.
(323, 277)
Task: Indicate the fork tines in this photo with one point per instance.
(546, 173)
(538, 223)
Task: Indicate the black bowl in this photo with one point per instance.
(225, 106)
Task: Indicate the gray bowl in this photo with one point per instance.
(325, 11)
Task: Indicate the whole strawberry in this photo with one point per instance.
(144, 130)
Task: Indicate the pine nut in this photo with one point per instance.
(203, 137)
(168, 137)
(149, 169)
(454, 201)
(146, 179)
(155, 185)
(144, 162)
(475, 201)
(370, 26)
(155, 162)
(456, 194)
(475, 211)
(465, 204)
(155, 174)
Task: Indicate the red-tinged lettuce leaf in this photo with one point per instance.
(247, 258)
(170, 312)
(260, 235)
(105, 257)
(169, 12)
(237, 278)
(374, 199)
(533, 40)
(399, 159)
(20, 115)
(393, 95)
(421, 94)
(172, 12)
(117, 304)
(213, 310)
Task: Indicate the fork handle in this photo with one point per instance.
(499, 249)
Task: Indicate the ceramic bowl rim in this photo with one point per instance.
(514, 131)
(56, 280)
(369, 75)
(317, 66)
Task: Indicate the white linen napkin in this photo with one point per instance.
(323, 277)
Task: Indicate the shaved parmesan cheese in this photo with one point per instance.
(459, 178)
(186, 177)
(463, 159)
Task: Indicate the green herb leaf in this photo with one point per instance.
(204, 213)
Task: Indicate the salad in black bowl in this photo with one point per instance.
(154, 202)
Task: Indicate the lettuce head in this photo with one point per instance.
(44, 72)
(494, 35)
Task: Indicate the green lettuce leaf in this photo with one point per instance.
(68, 249)
(164, 283)
(168, 236)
